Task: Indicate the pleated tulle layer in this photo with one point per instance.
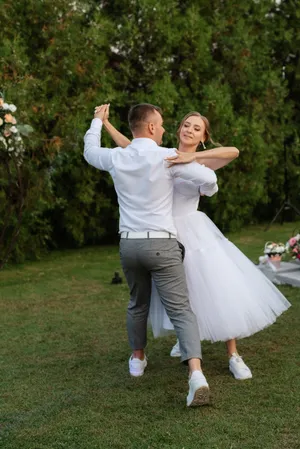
(229, 295)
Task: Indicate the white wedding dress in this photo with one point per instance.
(229, 295)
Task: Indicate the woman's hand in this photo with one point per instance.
(106, 113)
(102, 112)
(181, 158)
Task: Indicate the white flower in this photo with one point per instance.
(18, 139)
(1, 121)
(5, 106)
(3, 141)
(10, 149)
(13, 129)
(12, 107)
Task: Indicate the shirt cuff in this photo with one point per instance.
(96, 123)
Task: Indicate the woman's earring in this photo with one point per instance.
(204, 147)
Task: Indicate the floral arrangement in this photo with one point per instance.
(273, 250)
(11, 141)
(11, 159)
(293, 247)
(273, 253)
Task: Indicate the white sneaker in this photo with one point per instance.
(199, 390)
(137, 366)
(175, 352)
(239, 368)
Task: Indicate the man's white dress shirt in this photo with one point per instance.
(143, 181)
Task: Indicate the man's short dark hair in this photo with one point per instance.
(140, 113)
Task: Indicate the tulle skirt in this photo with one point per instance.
(229, 295)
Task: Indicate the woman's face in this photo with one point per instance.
(192, 131)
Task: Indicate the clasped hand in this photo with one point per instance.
(102, 112)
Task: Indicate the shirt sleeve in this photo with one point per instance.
(208, 190)
(203, 177)
(94, 154)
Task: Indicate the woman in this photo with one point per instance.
(230, 297)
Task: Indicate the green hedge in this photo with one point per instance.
(224, 59)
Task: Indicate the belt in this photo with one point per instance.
(147, 235)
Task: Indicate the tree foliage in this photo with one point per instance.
(235, 62)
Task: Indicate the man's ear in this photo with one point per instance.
(151, 128)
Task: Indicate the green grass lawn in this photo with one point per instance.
(64, 375)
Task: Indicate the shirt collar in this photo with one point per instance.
(141, 141)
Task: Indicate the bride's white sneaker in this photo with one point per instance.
(199, 390)
(238, 367)
(137, 366)
(175, 352)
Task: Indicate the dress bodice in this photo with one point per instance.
(185, 197)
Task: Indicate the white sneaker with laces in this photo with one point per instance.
(175, 352)
(199, 390)
(137, 366)
(238, 367)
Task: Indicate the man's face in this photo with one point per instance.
(157, 127)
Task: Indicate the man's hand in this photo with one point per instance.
(102, 112)
(181, 158)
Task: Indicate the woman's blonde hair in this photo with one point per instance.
(207, 134)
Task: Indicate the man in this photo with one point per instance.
(148, 247)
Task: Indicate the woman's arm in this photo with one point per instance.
(118, 137)
(214, 159)
(217, 157)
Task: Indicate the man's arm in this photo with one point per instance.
(204, 178)
(94, 154)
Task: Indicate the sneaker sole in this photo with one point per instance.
(136, 375)
(241, 378)
(201, 397)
